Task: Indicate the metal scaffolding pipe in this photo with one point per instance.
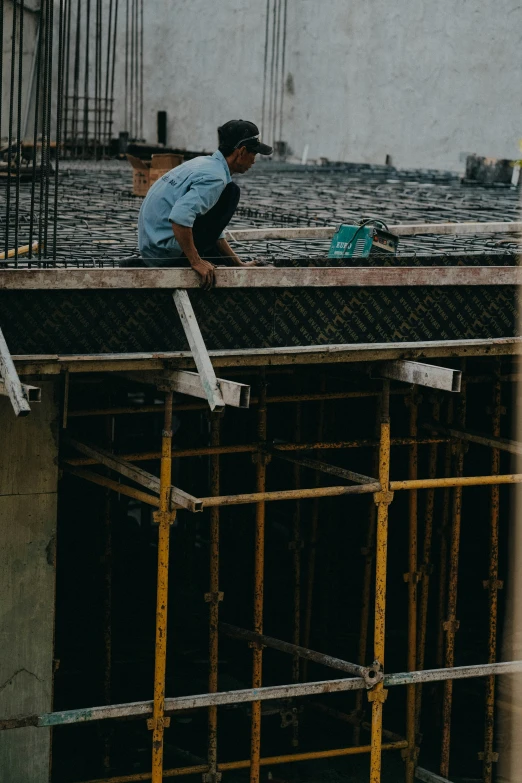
(370, 674)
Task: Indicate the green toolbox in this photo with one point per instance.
(370, 238)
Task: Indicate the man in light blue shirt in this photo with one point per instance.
(184, 215)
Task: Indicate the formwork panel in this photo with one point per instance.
(76, 322)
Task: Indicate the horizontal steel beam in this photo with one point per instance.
(52, 364)
(420, 374)
(236, 395)
(31, 393)
(457, 481)
(259, 277)
(242, 696)
(401, 229)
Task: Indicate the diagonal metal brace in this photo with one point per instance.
(11, 381)
(199, 350)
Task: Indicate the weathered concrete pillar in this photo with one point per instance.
(28, 501)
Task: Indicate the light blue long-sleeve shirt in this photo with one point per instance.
(179, 197)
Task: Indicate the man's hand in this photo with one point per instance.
(255, 262)
(206, 271)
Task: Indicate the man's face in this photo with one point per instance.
(245, 160)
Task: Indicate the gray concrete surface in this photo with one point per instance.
(422, 82)
(28, 485)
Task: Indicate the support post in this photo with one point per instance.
(451, 624)
(377, 696)
(312, 551)
(369, 558)
(213, 597)
(492, 584)
(295, 546)
(425, 570)
(164, 517)
(259, 566)
(199, 350)
(412, 578)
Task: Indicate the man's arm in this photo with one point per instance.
(225, 249)
(185, 240)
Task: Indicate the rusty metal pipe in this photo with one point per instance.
(164, 517)
(451, 624)
(426, 567)
(370, 674)
(213, 597)
(122, 489)
(259, 575)
(289, 494)
(377, 696)
(458, 481)
(245, 448)
(412, 579)
(228, 766)
(369, 558)
(312, 549)
(492, 584)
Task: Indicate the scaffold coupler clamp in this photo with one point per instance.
(384, 496)
(161, 722)
(373, 674)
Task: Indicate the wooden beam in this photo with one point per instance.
(31, 393)
(259, 277)
(261, 357)
(11, 381)
(193, 334)
(237, 395)
(420, 374)
(178, 497)
(400, 229)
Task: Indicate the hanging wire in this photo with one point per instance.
(265, 67)
(283, 68)
(10, 130)
(19, 125)
(38, 72)
(59, 108)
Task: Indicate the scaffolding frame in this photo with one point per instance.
(364, 677)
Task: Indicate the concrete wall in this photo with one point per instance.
(420, 81)
(28, 485)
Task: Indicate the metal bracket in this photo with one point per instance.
(163, 516)
(493, 584)
(214, 598)
(378, 696)
(414, 577)
(158, 723)
(383, 497)
(452, 626)
(296, 545)
(491, 758)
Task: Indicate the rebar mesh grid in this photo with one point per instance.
(97, 214)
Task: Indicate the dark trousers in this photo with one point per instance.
(207, 228)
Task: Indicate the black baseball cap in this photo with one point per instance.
(241, 133)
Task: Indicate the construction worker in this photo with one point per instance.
(184, 214)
